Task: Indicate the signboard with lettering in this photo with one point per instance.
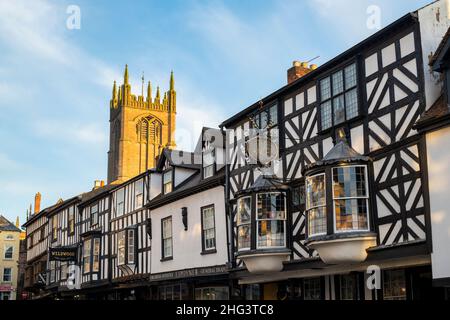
(63, 254)
(188, 273)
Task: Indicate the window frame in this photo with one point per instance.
(131, 243)
(10, 274)
(257, 220)
(167, 172)
(345, 91)
(94, 215)
(122, 246)
(307, 208)
(367, 198)
(201, 291)
(240, 224)
(117, 202)
(392, 297)
(55, 228)
(139, 182)
(91, 257)
(71, 221)
(202, 211)
(87, 255)
(6, 248)
(212, 153)
(163, 253)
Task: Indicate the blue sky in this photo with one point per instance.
(55, 83)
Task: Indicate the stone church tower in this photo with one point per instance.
(139, 129)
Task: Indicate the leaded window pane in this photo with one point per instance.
(349, 182)
(244, 210)
(271, 206)
(351, 100)
(339, 109)
(271, 233)
(325, 89)
(244, 236)
(350, 76)
(351, 214)
(338, 83)
(317, 221)
(325, 110)
(315, 191)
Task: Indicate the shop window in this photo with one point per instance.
(212, 293)
(394, 285)
(312, 289)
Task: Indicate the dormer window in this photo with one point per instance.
(208, 160)
(167, 181)
(338, 97)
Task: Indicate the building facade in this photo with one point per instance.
(332, 187)
(9, 259)
(347, 191)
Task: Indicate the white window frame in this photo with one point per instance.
(120, 204)
(96, 246)
(94, 214)
(121, 235)
(10, 274)
(12, 252)
(55, 228)
(366, 178)
(204, 210)
(168, 173)
(139, 197)
(131, 246)
(240, 224)
(258, 220)
(71, 220)
(315, 207)
(163, 238)
(87, 256)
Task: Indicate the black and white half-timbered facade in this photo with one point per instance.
(333, 187)
(345, 197)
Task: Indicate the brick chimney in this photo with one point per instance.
(37, 203)
(98, 184)
(298, 70)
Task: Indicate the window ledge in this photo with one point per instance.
(166, 259)
(211, 251)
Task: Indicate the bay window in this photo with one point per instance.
(271, 220)
(339, 97)
(91, 255)
(316, 205)
(350, 198)
(96, 255)
(131, 246)
(244, 223)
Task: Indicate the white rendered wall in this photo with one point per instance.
(434, 22)
(438, 154)
(187, 245)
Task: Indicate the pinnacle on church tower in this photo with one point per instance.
(125, 76)
(140, 127)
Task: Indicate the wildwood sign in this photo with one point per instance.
(63, 254)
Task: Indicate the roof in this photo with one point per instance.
(6, 225)
(88, 196)
(191, 185)
(408, 18)
(437, 114)
(442, 52)
(341, 152)
(264, 183)
(188, 159)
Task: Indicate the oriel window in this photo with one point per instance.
(315, 205)
(244, 223)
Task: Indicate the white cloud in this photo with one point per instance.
(71, 132)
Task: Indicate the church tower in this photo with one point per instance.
(139, 128)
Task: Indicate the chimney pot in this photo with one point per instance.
(298, 70)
